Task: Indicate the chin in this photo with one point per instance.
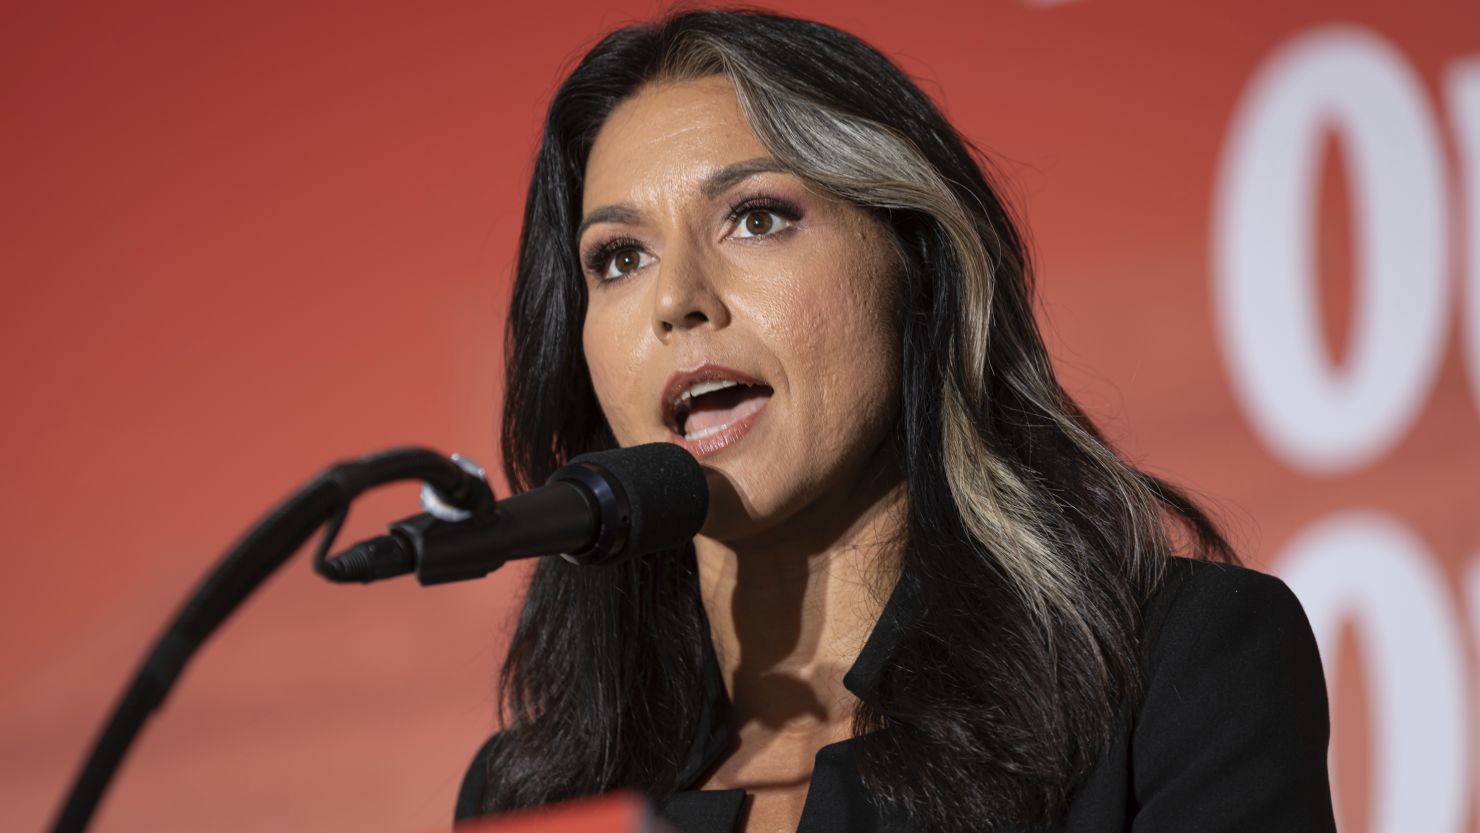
(740, 507)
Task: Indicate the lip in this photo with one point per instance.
(707, 372)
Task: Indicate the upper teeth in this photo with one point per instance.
(701, 388)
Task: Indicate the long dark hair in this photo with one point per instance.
(1031, 546)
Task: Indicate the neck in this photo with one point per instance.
(789, 609)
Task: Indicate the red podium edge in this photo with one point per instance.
(619, 812)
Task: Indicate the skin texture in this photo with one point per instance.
(806, 520)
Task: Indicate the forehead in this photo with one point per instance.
(667, 139)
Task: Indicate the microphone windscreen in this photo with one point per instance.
(666, 493)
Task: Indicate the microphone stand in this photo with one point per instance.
(324, 502)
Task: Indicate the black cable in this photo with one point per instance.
(331, 531)
(261, 551)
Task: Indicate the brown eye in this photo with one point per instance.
(759, 223)
(624, 262)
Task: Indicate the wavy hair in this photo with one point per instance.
(1031, 545)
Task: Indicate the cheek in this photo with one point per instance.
(854, 320)
(842, 342)
(612, 363)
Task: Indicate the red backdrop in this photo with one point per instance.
(243, 240)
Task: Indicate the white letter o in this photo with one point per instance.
(1316, 417)
(1463, 99)
(1370, 569)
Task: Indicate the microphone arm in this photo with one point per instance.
(324, 502)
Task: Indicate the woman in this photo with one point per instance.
(928, 595)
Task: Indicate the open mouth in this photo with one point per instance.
(707, 408)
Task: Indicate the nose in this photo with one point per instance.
(686, 295)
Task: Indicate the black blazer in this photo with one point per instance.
(1230, 736)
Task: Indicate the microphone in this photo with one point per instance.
(602, 508)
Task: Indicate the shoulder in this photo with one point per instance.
(1238, 636)
(474, 783)
(1206, 599)
(1233, 722)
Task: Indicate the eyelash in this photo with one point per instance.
(598, 260)
(784, 209)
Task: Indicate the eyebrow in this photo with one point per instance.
(715, 184)
(729, 176)
(619, 213)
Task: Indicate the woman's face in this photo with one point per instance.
(734, 310)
